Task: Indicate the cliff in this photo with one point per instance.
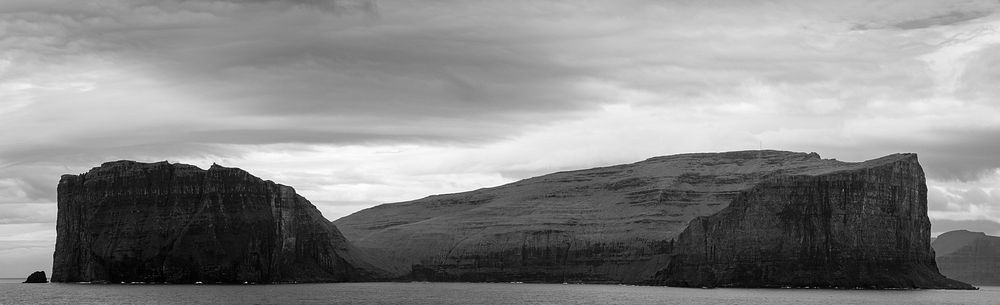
(159, 222)
(614, 224)
(859, 226)
(971, 257)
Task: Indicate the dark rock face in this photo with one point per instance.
(618, 224)
(863, 226)
(971, 257)
(37, 277)
(159, 222)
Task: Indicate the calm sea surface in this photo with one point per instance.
(13, 292)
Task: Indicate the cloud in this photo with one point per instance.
(19, 235)
(196, 73)
(34, 213)
(193, 73)
(939, 20)
(20, 259)
(975, 202)
(25, 248)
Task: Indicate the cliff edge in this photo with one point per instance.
(127, 221)
(861, 226)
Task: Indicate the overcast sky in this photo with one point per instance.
(357, 103)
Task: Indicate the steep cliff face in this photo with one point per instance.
(863, 225)
(610, 224)
(971, 257)
(159, 222)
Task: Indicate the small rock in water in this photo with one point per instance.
(37, 277)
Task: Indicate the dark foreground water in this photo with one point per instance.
(465, 293)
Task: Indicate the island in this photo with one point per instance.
(37, 277)
(128, 221)
(732, 219)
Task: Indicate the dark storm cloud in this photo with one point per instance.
(304, 62)
(189, 79)
(282, 63)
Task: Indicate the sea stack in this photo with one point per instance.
(128, 221)
(37, 277)
(744, 215)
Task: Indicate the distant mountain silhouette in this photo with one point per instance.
(971, 257)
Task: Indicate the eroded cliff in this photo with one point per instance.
(859, 226)
(159, 222)
(612, 224)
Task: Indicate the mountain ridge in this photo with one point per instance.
(612, 224)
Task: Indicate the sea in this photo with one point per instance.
(419, 293)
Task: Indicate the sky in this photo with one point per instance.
(357, 103)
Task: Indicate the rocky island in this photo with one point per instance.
(37, 277)
(127, 221)
(735, 219)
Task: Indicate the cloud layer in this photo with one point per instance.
(358, 102)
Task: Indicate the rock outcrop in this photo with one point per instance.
(971, 257)
(159, 222)
(618, 224)
(37, 277)
(856, 226)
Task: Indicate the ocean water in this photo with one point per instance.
(13, 292)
